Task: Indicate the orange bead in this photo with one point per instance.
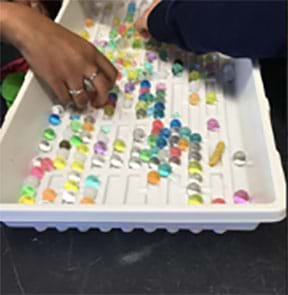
(87, 200)
(194, 99)
(87, 126)
(89, 22)
(49, 195)
(183, 143)
(153, 177)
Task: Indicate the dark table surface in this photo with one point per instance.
(157, 263)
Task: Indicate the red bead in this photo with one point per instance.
(158, 124)
(218, 201)
(175, 152)
(144, 90)
(155, 131)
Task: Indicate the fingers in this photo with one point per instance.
(61, 91)
(82, 98)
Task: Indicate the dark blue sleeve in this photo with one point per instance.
(255, 29)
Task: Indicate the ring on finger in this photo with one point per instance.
(93, 76)
(75, 92)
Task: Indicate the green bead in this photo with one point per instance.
(194, 75)
(113, 33)
(49, 134)
(148, 67)
(137, 43)
(28, 190)
(211, 97)
(163, 55)
(145, 155)
(151, 140)
(141, 105)
(177, 69)
(75, 140)
(76, 125)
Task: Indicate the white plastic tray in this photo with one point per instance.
(124, 199)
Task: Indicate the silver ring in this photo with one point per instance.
(88, 85)
(94, 75)
(75, 92)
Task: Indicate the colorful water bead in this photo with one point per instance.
(145, 155)
(119, 145)
(192, 188)
(45, 146)
(47, 164)
(58, 110)
(213, 125)
(77, 165)
(175, 123)
(49, 195)
(175, 152)
(87, 126)
(216, 156)
(87, 201)
(28, 190)
(153, 177)
(75, 140)
(194, 75)
(161, 142)
(116, 161)
(194, 167)
(37, 172)
(211, 97)
(27, 200)
(185, 132)
(54, 119)
(183, 143)
(218, 201)
(164, 169)
(239, 159)
(59, 163)
(194, 99)
(70, 185)
(135, 163)
(139, 135)
(89, 22)
(241, 197)
(83, 149)
(49, 134)
(65, 144)
(195, 199)
(177, 68)
(195, 137)
(76, 125)
(92, 181)
(98, 161)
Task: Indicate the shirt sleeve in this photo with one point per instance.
(253, 29)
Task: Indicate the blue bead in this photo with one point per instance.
(74, 116)
(150, 111)
(145, 83)
(54, 119)
(165, 132)
(175, 123)
(112, 96)
(164, 169)
(161, 142)
(131, 7)
(158, 114)
(159, 106)
(195, 137)
(142, 97)
(92, 181)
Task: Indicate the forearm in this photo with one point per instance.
(237, 28)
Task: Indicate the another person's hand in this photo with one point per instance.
(60, 57)
(141, 24)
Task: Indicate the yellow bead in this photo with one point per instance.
(116, 21)
(119, 146)
(85, 35)
(127, 63)
(27, 200)
(128, 96)
(110, 55)
(71, 185)
(83, 149)
(216, 156)
(132, 75)
(195, 199)
(77, 166)
(194, 167)
(59, 163)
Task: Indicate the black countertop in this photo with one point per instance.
(158, 263)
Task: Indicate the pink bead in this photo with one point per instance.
(144, 90)
(47, 164)
(241, 197)
(161, 86)
(175, 152)
(213, 125)
(37, 172)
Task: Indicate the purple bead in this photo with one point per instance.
(213, 125)
(151, 56)
(129, 87)
(241, 197)
(100, 147)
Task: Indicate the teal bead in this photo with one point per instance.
(185, 132)
(92, 181)
(164, 169)
(154, 151)
(195, 137)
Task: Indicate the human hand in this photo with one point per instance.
(141, 23)
(61, 58)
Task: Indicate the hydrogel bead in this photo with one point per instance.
(74, 176)
(183, 143)
(241, 197)
(195, 146)
(158, 114)
(98, 161)
(154, 151)
(193, 155)
(194, 99)
(100, 147)
(177, 68)
(157, 124)
(83, 149)
(165, 132)
(49, 195)
(27, 200)
(195, 137)
(45, 146)
(70, 185)
(65, 144)
(37, 172)
(164, 169)
(145, 84)
(84, 34)
(89, 22)
(175, 152)
(75, 116)
(106, 128)
(211, 97)
(195, 199)
(194, 167)
(28, 190)
(153, 177)
(109, 110)
(192, 188)
(116, 161)
(159, 106)
(58, 110)
(89, 119)
(119, 145)
(54, 120)
(161, 86)
(151, 140)
(197, 177)
(87, 201)
(68, 197)
(77, 166)
(194, 75)
(139, 135)
(113, 33)
(75, 140)
(31, 181)
(161, 142)
(88, 127)
(92, 181)
(174, 161)
(154, 163)
(175, 123)
(135, 163)
(116, 21)
(239, 159)
(185, 132)
(141, 113)
(145, 155)
(49, 134)
(151, 56)
(218, 201)
(163, 55)
(213, 125)
(76, 125)
(137, 43)
(174, 139)
(47, 164)
(59, 163)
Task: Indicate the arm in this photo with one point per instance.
(58, 56)
(253, 29)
